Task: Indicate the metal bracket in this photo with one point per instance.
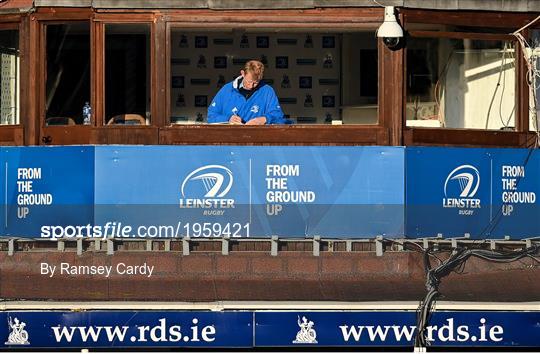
(60, 246)
(379, 249)
(225, 246)
(11, 247)
(185, 246)
(79, 246)
(110, 246)
(274, 243)
(454, 241)
(348, 245)
(316, 246)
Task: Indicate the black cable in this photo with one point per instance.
(457, 259)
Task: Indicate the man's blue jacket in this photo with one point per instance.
(262, 103)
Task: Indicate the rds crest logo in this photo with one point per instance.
(460, 187)
(206, 187)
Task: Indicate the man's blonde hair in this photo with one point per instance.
(256, 68)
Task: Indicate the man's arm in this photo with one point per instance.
(215, 110)
(274, 114)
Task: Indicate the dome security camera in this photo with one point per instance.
(390, 31)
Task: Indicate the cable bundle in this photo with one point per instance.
(457, 259)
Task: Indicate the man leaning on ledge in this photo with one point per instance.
(247, 100)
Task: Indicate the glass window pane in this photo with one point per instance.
(461, 83)
(9, 77)
(318, 77)
(127, 74)
(68, 73)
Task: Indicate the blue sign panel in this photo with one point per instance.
(46, 187)
(172, 329)
(208, 191)
(453, 328)
(233, 191)
(125, 329)
(487, 193)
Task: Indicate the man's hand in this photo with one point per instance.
(257, 121)
(235, 119)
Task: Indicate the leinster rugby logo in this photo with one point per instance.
(206, 187)
(17, 334)
(306, 334)
(460, 188)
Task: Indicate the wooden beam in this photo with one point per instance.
(467, 137)
(391, 67)
(136, 135)
(159, 73)
(125, 17)
(35, 69)
(7, 20)
(66, 135)
(98, 73)
(11, 135)
(463, 35)
(60, 14)
(25, 115)
(522, 90)
(273, 135)
(482, 19)
(250, 18)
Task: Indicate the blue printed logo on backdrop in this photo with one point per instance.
(208, 186)
(460, 188)
(213, 182)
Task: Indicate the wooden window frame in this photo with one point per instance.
(97, 132)
(520, 137)
(13, 134)
(127, 134)
(335, 19)
(101, 19)
(57, 135)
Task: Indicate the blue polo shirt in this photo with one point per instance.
(263, 102)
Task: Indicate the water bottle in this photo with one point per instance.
(86, 113)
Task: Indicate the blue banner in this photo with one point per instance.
(262, 191)
(487, 193)
(125, 329)
(45, 186)
(202, 191)
(235, 329)
(387, 329)
(207, 191)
